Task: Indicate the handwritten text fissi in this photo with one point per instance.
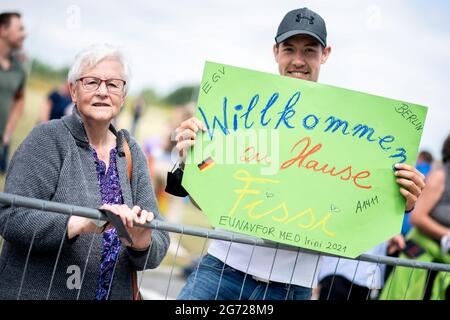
(239, 117)
(305, 219)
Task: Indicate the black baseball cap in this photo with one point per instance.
(302, 21)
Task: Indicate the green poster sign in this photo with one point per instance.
(298, 162)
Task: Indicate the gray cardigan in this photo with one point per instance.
(55, 163)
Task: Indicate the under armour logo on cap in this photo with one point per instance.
(300, 17)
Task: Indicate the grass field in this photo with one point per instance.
(154, 122)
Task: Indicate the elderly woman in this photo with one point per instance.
(80, 160)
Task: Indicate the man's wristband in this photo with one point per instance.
(409, 211)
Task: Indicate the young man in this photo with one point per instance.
(12, 80)
(252, 272)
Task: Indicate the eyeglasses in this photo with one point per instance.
(93, 83)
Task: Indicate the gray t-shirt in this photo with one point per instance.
(12, 81)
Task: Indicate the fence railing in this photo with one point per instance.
(207, 234)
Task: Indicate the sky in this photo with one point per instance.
(394, 48)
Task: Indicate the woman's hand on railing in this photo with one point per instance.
(80, 225)
(141, 236)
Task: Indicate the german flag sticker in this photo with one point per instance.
(206, 164)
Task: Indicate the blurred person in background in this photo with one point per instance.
(423, 164)
(57, 103)
(138, 109)
(428, 240)
(160, 160)
(12, 80)
(81, 160)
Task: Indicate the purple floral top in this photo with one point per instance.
(111, 194)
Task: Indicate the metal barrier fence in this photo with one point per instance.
(206, 234)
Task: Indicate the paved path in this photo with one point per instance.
(155, 283)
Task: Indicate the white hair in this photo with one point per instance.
(93, 55)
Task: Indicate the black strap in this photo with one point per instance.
(174, 186)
